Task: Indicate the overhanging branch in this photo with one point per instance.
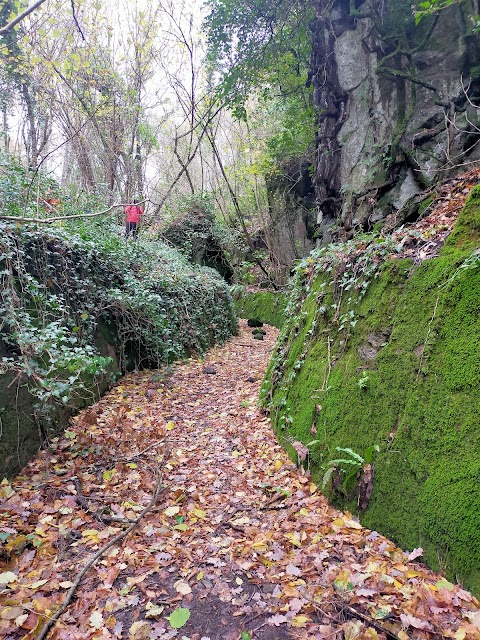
(13, 23)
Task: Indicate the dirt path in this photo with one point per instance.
(238, 539)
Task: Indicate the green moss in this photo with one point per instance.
(466, 234)
(424, 205)
(266, 306)
(414, 343)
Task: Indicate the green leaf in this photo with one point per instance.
(245, 636)
(350, 452)
(179, 618)
(444, 584)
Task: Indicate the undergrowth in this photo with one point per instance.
(63, 285)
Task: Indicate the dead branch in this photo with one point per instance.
(98, 515)
(77, 215)
(68, 598)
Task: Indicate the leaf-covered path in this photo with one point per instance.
(230, 534)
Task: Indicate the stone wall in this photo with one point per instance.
(397, 105)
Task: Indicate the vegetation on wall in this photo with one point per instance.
(62, 285)
(377, 351)
(265, 306)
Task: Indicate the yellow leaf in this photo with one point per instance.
(132, 465)
(278, 465)
(92, 534)
(313, 488)
(170, 426)
(171, 511)
(300, 621)
(460, 634)
(108, 475)
(235, 454)
(140, 631)
(200, 513)
(38, 584)
(10, 613)
(18, 544)
(303, 512)
(412, 574)
(200, 575)
(293, 539)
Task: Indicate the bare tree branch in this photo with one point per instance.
(75, 19)
(77, 215)
(13, 23)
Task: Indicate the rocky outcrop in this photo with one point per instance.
(397, 105)
(200, 239)
(289, 234)
(381, 354)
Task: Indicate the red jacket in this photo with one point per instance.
(133, 212)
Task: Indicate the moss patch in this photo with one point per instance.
(403, 373)
(466, 234)
(266, 306)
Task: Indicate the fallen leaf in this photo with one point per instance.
(10, 613)
(96, 620)
(444, 584)
(416, 623)
(140, 631)
(300, 621)
(154, 610)
(8, 577)
(179, 618)
(277, 620)
(182, 587)
(21, 619)
(416, 553)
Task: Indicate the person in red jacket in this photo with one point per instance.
(133, 213)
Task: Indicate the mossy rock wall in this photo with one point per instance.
(405, 374)
(266, 306)
(23, 430)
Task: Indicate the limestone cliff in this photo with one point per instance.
(397, 109)
(396, 104)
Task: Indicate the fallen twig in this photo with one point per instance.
(140, 453)
(98, 515)
(68, 598)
